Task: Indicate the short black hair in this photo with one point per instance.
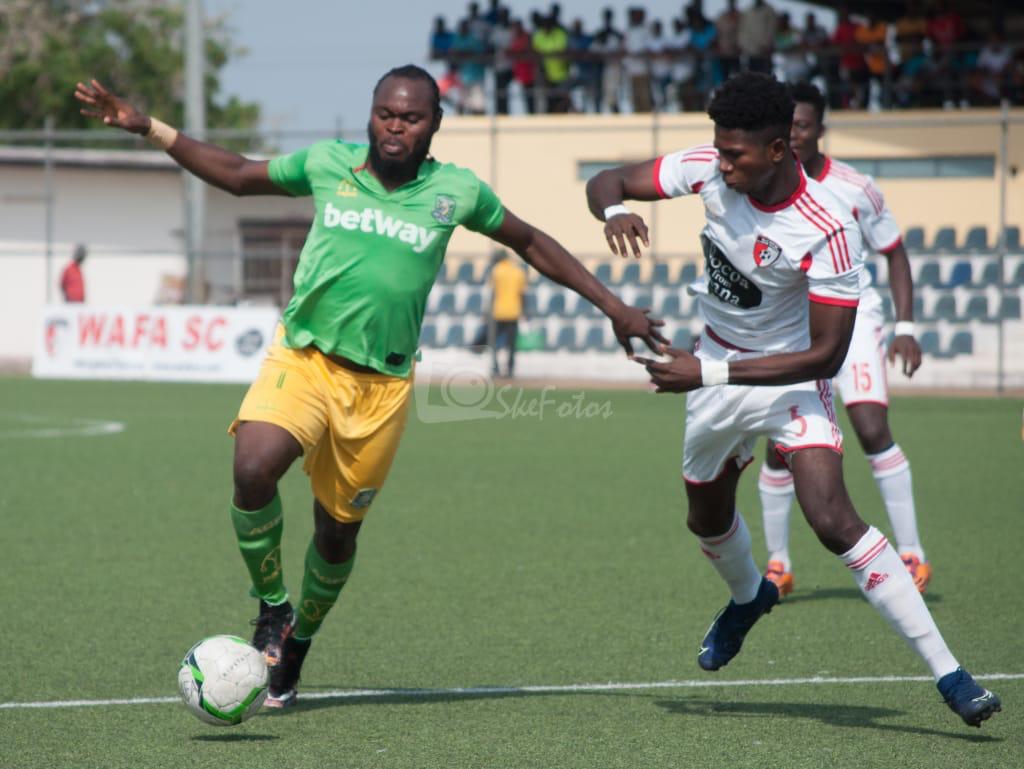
(412, 72)
(753, 101)
(808, 93)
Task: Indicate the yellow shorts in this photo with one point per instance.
(348, 423)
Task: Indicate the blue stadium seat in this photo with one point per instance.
(682, 339)
(456, 336)
(669, 307)
(872, 269)
(1009, 309)
(475, 303)
(661, 275)
(556, 305)
(643, 299)
(465, 273)
(945, 308)
(930, 343)
(960, 275)
(446, 304)
(977, 308)
(630, 275)
(929, 275)
(887, 311)
(530, 304)
(604, 273)
(989, 275)
(428, 335)
(918, 306)
(976, 240)
(962, 343)
(594, 339)
(913, 240)
(688, 273)
(945, 240)
(1013, 239)
(566, 339)
(1018, 276)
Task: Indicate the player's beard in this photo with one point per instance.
(397, 170)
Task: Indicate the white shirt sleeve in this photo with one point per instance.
(877, 224)
(835, 262)
(686, 171)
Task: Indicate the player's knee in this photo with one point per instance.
(255, 481)
(874, 436)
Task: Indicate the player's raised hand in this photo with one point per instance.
(111, 109)
(636, 322)
(909, 351)
(626, 227)
(679, 374)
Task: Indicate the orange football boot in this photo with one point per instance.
(920, 572)
(783, 580)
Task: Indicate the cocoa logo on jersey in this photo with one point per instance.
(725, 281)
(766, 251)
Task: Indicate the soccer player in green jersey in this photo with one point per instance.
(335, 385)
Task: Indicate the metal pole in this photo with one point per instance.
(48, 194)
(195, 126)
(1004, 170)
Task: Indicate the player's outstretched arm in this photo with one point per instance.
(548, 257)
(831, 327)
(227, 170)
(605, 193)
(901, 283)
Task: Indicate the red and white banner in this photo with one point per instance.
(171, 344)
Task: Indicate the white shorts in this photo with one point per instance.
(863, 377)
(724, 422)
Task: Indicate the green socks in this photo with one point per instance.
(259, 539)
(321, 585)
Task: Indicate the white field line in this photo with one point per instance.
(482, 691)
(33, 426)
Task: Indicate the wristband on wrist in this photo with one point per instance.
(903, 328)
(714, 372)
(615, 210)
(160, 134)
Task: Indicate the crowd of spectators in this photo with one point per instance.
(927, 56)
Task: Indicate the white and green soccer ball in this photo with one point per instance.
(223, 680)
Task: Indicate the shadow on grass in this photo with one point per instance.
(858, 716)
(827, 593)
(234, 737)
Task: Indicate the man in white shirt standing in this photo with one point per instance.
(782, 283)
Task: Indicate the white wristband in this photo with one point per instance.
(615, 210)
(160, 134)
(903, 328)
(714, 372)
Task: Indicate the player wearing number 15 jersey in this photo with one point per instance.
(782, 275)
(862, 378)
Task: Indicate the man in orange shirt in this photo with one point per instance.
(72, 285)
(508, 282)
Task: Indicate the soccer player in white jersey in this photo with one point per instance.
(862, 379)
(782, 267)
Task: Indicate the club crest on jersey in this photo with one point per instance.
(766, 251)
(444, 209)
(346, 189)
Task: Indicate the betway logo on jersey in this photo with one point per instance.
(375, 220)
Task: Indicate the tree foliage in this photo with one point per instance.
(134, 47)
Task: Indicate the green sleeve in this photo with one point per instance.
(289, 173)
(488, 213)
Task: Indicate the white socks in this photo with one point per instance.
(776, 487)
(731, 555)
(892, 474)
(887, 585)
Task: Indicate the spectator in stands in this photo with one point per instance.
(72, 284)
(757, 29)
(989, 80)
(493, 15)
(793, 66)
(871, 37)
(551, 41)
(608, 44)
(946, 30)
(441, 40)
(727, 26)
(468, 51)
(508, 283)
(702, 41)
(915, 85)
(500, 42)
(911, 29)
(684, 67)
(524, 65)
(852, 73)
(586, 77)
(635, 63)
(478, 25)
(660, 65)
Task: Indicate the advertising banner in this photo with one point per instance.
(167, 344)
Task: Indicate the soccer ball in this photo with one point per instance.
(223, 680)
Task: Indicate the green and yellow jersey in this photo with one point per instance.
(371, 256)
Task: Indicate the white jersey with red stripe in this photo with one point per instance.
(763, 263)
(878, 227)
